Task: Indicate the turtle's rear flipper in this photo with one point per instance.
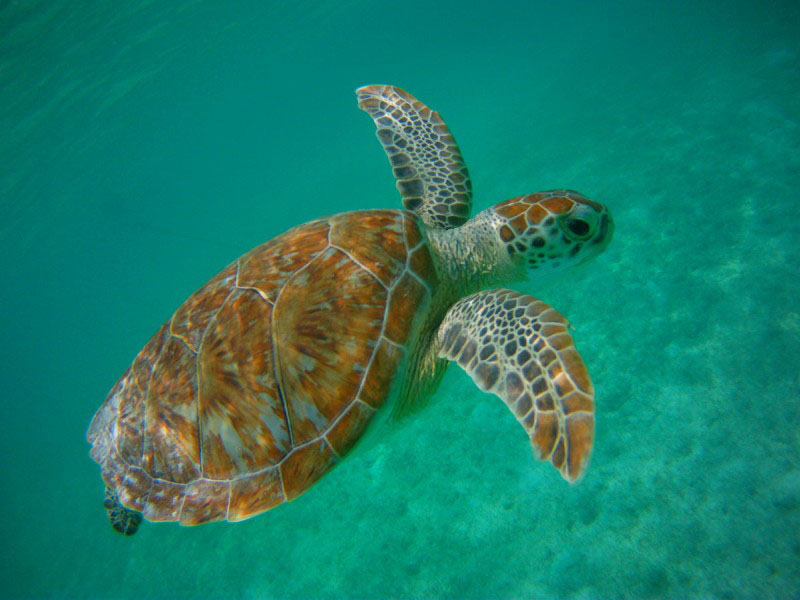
(123, 520)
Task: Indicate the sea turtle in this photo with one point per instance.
(268, 375)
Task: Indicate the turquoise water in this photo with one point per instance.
(147, 144)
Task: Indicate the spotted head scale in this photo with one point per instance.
(552, 230)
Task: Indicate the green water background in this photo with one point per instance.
(145, 145)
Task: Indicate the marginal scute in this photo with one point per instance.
(411, 231)
(164, 501)
(254, 494)
(205, 501)
(348, 429)
(408, 298)
(114, 469)
(104, 420)
(304, 466)
(421, 264)
(135, 488)
(378, 379)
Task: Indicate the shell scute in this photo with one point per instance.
(164, 501)
(349, 427)
(411, 230)
(254, 494)
(242, 423)
(324, 331)
(407, 296)
(114, 468)
(190, 320)
(375, 241)
(144, 363)
(267, 267)
(304, 466)
(170, 432)
(269, 374)
(130, 421)
(205, 501)
(385, 362)
(421, 263)
(135, 488)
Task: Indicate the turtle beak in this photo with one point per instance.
(606, 231)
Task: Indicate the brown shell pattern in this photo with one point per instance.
(266, 377)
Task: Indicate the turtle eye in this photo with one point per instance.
(578, 227)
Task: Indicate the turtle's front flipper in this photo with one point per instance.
(431, 175)
(123, 520)
(518, 348)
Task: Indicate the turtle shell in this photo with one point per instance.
(265, 377)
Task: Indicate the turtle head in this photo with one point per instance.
(552, 230)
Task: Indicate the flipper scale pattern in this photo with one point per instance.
(519, 348)
(431, 175)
